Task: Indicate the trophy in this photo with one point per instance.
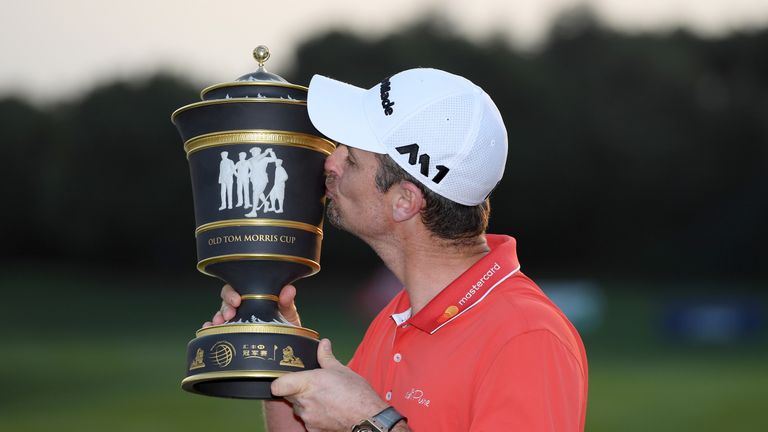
(256, 164)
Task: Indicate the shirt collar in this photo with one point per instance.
(467, 290)
(402, 317)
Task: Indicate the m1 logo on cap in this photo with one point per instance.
(385, 102)
(413, 156)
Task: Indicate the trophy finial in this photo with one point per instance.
(261, 54)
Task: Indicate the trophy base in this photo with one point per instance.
(241, 360)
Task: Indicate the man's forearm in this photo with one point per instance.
(279, 417)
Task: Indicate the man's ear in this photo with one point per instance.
(407, 201)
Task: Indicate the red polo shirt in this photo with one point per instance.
(490, 352)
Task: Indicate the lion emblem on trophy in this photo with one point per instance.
(289, 359)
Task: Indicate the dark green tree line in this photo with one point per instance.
(630, 155)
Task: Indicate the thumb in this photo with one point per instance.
(287, 385)
(325, 355)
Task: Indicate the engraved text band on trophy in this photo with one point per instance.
(239, 238)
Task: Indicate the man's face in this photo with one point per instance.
(355, 204)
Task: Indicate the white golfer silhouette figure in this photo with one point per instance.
(226, 172)
(242, 171)
(259, 178)
(277, 193)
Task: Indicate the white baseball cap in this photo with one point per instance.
(441, 128)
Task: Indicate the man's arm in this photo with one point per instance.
(332, 398)
(278, 415)
(280, 418)
(317, 398)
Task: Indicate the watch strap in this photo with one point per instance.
(388, 418)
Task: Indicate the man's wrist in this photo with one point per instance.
(387, 420)
(401, 426)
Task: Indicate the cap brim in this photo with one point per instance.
(337, 110)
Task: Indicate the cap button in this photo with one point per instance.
(261, 54)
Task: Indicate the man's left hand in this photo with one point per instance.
(332, 398)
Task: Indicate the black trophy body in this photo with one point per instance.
(256, 164)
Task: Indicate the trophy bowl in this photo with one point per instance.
(256, 164)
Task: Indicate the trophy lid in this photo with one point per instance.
(261, 54)
(258, 84)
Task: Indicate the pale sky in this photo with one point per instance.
(53, 49)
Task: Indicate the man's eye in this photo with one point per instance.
(350, 162)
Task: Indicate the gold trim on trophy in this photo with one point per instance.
(260, 136)
(250, 83)
(234, 100)
(258, 328)
(259, 222)
(260, 297)
(208, 376)
(314, 265)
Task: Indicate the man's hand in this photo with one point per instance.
(332, 398)
(278, 414)
(230, 300)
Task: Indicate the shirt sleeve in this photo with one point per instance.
(534, 384)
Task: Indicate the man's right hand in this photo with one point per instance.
(278, 414)
(230, 300)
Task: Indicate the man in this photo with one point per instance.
(470, 344)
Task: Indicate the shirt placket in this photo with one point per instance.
(397, 358)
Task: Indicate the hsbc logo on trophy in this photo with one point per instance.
(412, 150)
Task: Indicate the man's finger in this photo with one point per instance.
(288, 384)
(227, 312)
(287, 306)
(325, 355)
(218, 319)
(230, 296)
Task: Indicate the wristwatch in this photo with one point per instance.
(381, 422)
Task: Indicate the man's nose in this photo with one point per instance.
(333, 162)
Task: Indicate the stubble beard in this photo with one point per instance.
(334, 214)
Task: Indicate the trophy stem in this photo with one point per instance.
(240, 359)
(258, 310)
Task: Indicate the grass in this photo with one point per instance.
(92, 352)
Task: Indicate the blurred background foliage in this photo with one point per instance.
(629, 154)
(637, 176)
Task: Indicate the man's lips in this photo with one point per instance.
(329, 186)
